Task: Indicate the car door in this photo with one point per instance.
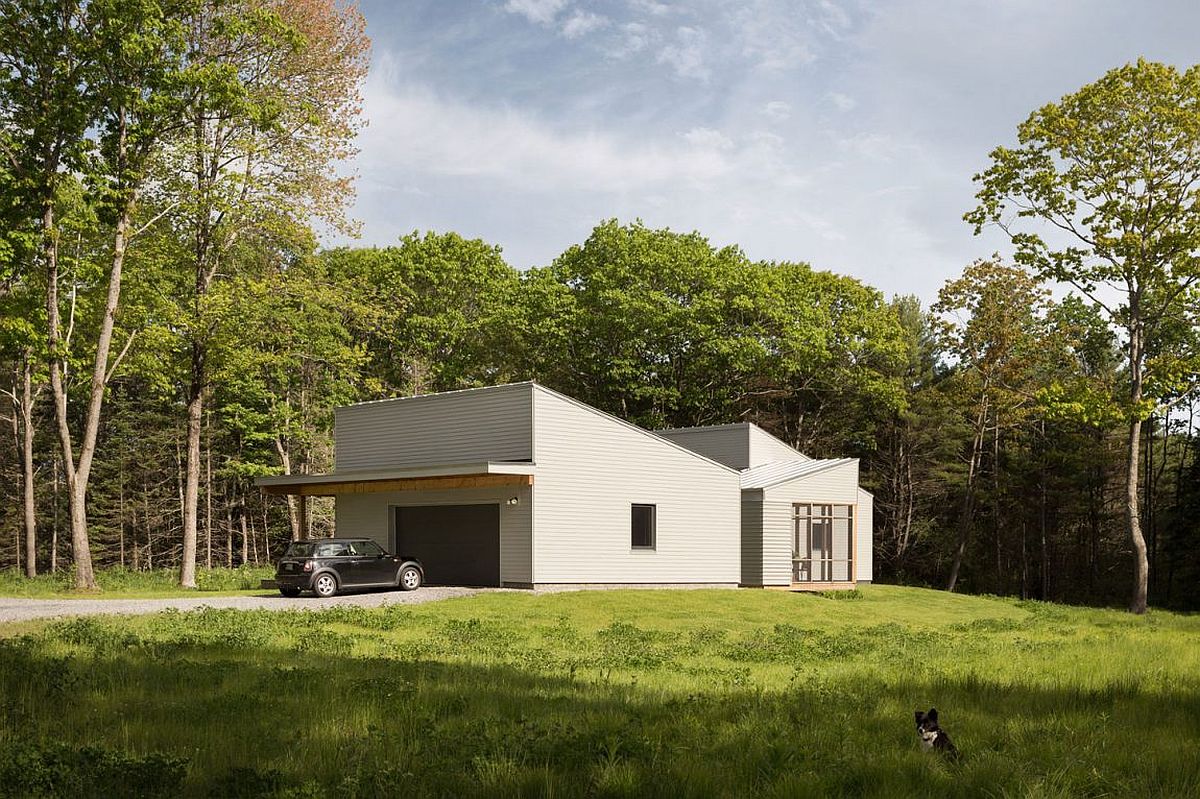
(341, 560)
(372, 564)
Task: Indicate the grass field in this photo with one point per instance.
(608, 693)
(117, 583)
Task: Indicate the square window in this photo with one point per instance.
(642, 525)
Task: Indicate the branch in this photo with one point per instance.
(156, 217)
(121, 357)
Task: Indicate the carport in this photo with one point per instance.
(457, 540)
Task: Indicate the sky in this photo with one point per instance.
(841, 134)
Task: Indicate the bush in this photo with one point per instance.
(54, 769)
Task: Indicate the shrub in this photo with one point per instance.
(53, 769)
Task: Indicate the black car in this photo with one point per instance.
(328, 565)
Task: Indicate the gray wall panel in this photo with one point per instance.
(727, 444)
(488, 424)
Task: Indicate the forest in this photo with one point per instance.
(171, 325)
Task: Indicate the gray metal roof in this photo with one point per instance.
(775, 472)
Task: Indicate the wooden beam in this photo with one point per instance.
(402, 484)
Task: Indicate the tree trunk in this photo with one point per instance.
(1141, 566)
(54, 530)
(228, 528)
(28, 499)
(208, 486)
(285, 460)
(191, 485)
(242, 526)
(968, 510)
(79, 471)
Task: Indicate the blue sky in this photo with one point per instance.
(843, 134)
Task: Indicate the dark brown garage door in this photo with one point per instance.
(457, 544)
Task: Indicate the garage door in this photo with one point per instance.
(457, 544)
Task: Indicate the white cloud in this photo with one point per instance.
(686, 55)
(708, 139)
(449, 138)
(539, 11)
(582, 23)
(651, 7)
(876, 146)
(778, 110)
(843, 102)
(634, 38)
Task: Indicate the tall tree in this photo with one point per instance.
(257, 159)
(48, 102)
(994, 328)
(1115, 170)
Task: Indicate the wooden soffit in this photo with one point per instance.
(332, 489)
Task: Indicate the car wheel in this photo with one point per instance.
(289, 590)
(325, 585)
(410, 578)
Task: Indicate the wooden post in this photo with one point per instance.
(303, 509)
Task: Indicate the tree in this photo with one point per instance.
(256, 159)
(660, 327)
(916, 444)
(995, 335)
(1115, 170)
(440, 304)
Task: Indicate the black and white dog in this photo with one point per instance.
(933, 736)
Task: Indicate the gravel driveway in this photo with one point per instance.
(19, 609)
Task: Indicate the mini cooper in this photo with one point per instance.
(329, 565)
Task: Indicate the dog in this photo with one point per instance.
(934, 737)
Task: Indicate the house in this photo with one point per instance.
(518, 485)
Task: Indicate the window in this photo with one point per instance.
(642, 527)
(332, 551)
(366, 549)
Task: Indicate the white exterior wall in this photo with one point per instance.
(765, 448)
(838, 485)
(370, 515)
(591, 467)
(864, 568)
(484, 424)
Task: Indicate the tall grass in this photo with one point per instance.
(120, 582)
(620, 693)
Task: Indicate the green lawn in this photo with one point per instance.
(117, 583)
(609, 693)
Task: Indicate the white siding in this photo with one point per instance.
(370, 515)
(864, 568)
(777, 532)
(591, 468)
(486, 424)
(838, 485)
(728, 444)
(765, 448)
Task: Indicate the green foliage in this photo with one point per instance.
(118, 582)
(51, 769)
(1113, 167)
(663, 329)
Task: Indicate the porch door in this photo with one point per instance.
(822, 543)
